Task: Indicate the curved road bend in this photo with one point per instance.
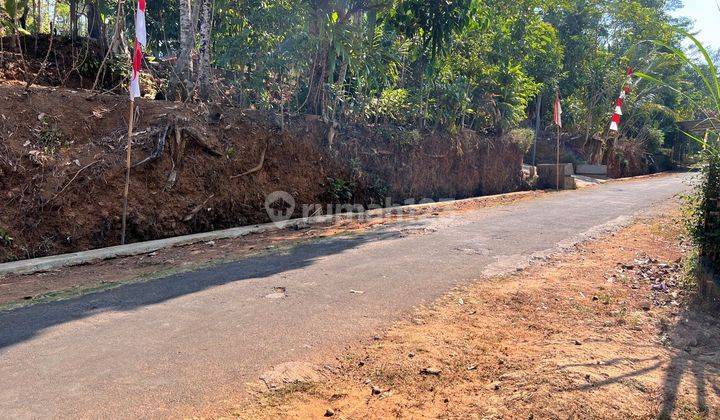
(173, 346)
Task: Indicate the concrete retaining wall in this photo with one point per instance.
(600, 170)
(547, 174)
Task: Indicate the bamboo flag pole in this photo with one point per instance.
(557, 149)
(557, 119)
(131, 121)
(140, 42)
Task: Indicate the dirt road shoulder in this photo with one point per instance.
(609, 330)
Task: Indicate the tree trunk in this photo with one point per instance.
(181, 83)
(317, 82)
(419, 71)
(195, 15)
(16, 39)
(318, 66)
(73, 20)
(118, 44)
(23, 18)
(340, 88)
(95, 25)
(37, 17)
(205, 44)
(318, 74)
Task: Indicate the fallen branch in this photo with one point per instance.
(200, 142)
(197, 209)
(256, 168)
(70, 182)
(436, 156)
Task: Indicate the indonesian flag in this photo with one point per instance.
(140, 42)
(557, 111)
(135, 80)
(140, 32)
(615, 123)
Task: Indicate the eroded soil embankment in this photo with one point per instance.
(62, 157)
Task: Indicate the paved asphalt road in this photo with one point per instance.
(171, 346)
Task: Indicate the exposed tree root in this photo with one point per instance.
(198, 139)
(157, 153)
(179, 130)
(256, 168)
(176, 156)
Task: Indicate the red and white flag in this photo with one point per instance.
(140, 32)
(140, 42)
(557, 111)
(615, 122)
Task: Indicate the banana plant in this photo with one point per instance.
(707, 72)
(701, 211)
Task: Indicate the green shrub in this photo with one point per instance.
(392, 106)
(49, 136)
(653, 137)
(700, 211)
(339, 190)
(522, 137)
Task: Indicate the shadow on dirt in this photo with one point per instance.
(694, 345)
(695, 342)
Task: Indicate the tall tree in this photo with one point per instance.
(181, 81)
(73, 19)
(204, 71)
(95, 21)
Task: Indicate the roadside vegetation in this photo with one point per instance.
(399, 69)
(702, 206)
(484, 65)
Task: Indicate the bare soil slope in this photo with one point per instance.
(62, 156)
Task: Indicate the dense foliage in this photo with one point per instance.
(703, 218)
(485, 65)
(478, 64)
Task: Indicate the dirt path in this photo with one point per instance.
(189, 342)
(588, 334)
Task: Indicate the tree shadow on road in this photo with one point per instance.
(22, 324)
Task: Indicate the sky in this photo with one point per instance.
(706, 15)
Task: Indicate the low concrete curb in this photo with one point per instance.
(86, 257)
